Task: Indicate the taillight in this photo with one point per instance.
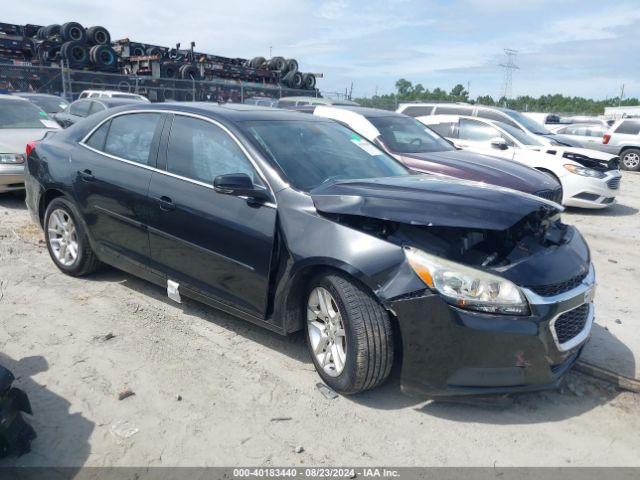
(606, 138)
(30, 147)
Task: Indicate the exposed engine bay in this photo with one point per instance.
(475, 247)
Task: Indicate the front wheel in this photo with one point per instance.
(349, 334)
(630, 159)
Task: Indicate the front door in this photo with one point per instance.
(112, 170)
(217, 244)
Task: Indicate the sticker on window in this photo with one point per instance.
(366, 146)
(49, 123)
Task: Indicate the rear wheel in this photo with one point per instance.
(630, 159)
(348, 333)
(66, 239)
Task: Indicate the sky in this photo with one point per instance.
(573, 47)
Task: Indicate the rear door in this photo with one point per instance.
(215, 244)
(112, 170)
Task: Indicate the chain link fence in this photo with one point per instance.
(70, 83)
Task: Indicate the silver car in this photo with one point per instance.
(590, 135)
(623, 138)
(21, 122)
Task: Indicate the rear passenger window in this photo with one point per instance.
(96, 140)
(629, 127)
(80, 109)
(453, 110)
(477, 131)
(201, 151)
(417, 111)
(498, 117)
(442, 129)
(130, 136)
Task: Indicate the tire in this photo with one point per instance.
(278, 64)
(168, 70)
(40, 34)
(189, 72)
(98, 36)
(76, 54)
(309, 81)
(103, 56)
(292, 65)
(85, 261)
(630, 160)
(294, 80)
(51, 31)
(73, 32)
(367, 335)
(154, 51)
(257, 62)
(138, 51)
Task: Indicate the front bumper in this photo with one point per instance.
(450, 351)
(11, 178)
(585, 192)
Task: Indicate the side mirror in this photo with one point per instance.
(499, 143)
(240, 185)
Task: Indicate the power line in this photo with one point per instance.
(509, 66)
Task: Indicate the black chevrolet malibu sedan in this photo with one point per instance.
(296, 223)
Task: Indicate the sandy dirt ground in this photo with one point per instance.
(213, 390)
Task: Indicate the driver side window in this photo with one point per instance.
(477, 131)
(200, 150)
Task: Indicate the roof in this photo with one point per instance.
(37, 95)
(4, 96)
(367, 112)
(235, 112)
(324, 101)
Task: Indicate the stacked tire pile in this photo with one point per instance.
(16, 435)
(288, 70)
(76, 46)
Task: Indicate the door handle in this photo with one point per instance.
(87, 175)
(166, 204)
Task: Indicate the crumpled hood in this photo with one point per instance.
(586, 157)
(427, 200)
(487, 169)
(15, 140)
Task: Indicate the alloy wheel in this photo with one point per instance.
(63, 237)
(326, 331)
(631, 160)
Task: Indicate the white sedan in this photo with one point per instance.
(20, 123)
(589, 179)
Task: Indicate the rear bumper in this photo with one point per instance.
(11, 178)
(448, 351)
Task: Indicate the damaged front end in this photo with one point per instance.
(492, 295)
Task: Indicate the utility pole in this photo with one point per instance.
(509, 66)
(621, 95)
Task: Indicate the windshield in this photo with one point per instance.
(22, 114)
(406, 135)
(50, 105)
(526, 122)
(523, 137)
(312, 153)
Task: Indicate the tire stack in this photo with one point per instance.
(288, 70)
(76, 46)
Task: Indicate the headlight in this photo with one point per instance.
(467, 287)
(585, 172)
(11, 158)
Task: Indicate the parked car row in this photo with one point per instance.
(314, 222)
